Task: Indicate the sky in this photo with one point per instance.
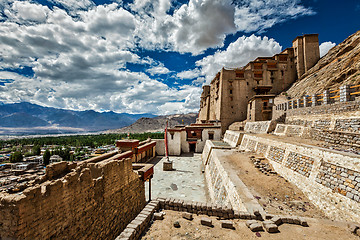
(148, 56)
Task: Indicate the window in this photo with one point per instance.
(172, 136)
(211, 136)
(230, 91)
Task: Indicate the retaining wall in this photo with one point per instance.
(221, 188)
(233, 138)
(90, 200)
(330, 179)
(260, 127)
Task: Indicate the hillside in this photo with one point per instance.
(157, 124)
(20, 118)
(341, 65)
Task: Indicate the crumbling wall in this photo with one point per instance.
(330, 179)
(86, 201)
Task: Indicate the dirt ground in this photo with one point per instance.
(274, 193)
(318, 229)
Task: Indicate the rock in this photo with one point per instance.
(249, 222)
(270, 226)
(187, 216)
(277, 220)
(227, 224)
(206, 221)
(177, 224)
(158, 216)
(256, 227)
(303, 222)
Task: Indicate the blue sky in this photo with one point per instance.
(148, 56)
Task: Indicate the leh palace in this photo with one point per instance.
(269, 156)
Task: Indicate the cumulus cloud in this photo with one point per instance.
(79, 51)
(189, 74)
(325, 47)
(238, 54)
(159, 69)
(259, 15)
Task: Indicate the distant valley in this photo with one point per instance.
(26, 118)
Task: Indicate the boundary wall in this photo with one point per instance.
(94, 199)
(330, 179)
(220, 186)
(260, 127)
(233, 138)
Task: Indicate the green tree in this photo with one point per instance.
(16, 157)
(46, 157)
(36, 150)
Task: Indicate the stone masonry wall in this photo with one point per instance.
(331, 179)
(340, 107)
(85, 201)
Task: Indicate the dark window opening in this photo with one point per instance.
(172, 136)
(211, 136)
(192, 147)
(230, 91)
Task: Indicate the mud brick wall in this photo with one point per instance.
(299, 163)
(276, 154)
(342, 180)
(91, 201)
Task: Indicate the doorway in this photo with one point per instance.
(192, 147)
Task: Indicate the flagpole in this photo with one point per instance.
(167, 164)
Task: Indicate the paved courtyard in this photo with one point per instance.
(186, 182)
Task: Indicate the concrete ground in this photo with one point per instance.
(186, 182)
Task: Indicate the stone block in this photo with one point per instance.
(249, 222)
(277, 220)
(158, 216)
(206, 222)
(256, 227)
(187, 216)
(303, 222)
(227, 224)
(270, 227)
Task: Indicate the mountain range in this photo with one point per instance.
(24, 117)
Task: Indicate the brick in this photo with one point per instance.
(249, 222)
(158, 216)
(227, 224)
(187, 216)
(277, 220)
(270, 227)
(256, 227)
(206, 222)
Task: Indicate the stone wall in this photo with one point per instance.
(260, 127)
(331, 179)
(221, 187)
(233, 138)
(89, 200)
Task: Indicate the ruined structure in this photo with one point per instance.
(227, 97)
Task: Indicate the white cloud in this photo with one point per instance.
(259, 15)
(79, 54)
(238, 54)
(160, 69)
(325, 47)
(190, 74)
